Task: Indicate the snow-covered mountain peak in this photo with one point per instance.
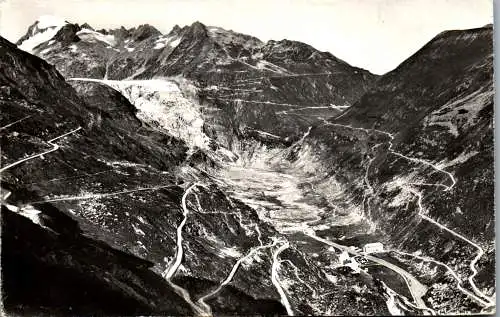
(43, 30)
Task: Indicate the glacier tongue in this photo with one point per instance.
(161, 102)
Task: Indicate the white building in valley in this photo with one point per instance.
(350, 262)
(373, 247)
(344, 257)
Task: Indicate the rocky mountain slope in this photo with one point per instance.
(223, 175)
(415, 153)
(442, 113)
(279, 86)
(101, 197)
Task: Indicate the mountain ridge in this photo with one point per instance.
(259, 79)
(264, 166)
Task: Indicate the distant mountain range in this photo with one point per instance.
(204, 171)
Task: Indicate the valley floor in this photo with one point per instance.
(283, 199)
(329, 231)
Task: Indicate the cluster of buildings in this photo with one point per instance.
(346, 260)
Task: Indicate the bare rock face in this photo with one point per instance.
(67, 34)
(143, 32)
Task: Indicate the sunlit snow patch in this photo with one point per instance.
(460, 114)
(164, 41)
(27, 211)
(137, 230)
(88, 35)
(230, 252)
(46, 28)
(265, 65)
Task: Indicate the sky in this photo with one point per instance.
(373, 34)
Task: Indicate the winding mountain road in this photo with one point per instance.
(173, 266)
(17, 121)
(417, 289)
(170, 271)
(488, 300)
(231, 274)
(55, 147)
(101, 195)
(452, 273)
(275, 279)
(201, 308)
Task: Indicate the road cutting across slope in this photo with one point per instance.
(275, 279)
(55, 147)
(480, 253)
(173, 266)
(201, 302)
